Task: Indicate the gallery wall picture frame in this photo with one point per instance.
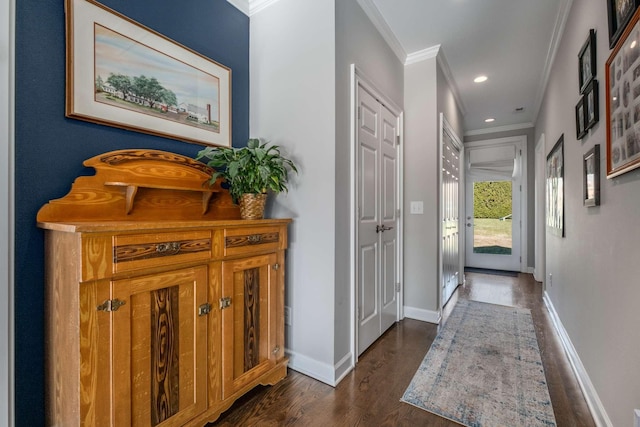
(555, 188)
(123, 74)
(619, 14)
(591, 177)
(587, 68)
(591, 105)
(581, 130)
(623, 102)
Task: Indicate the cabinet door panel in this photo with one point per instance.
(160, 348)
(249, 323)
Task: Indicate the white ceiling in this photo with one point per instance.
(512, 42)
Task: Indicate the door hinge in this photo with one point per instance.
(398, 139)
(111, 305)
(358, 113)
(204, 309)
(225, 302)
(397, 286)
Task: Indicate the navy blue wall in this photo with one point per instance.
(50, 148)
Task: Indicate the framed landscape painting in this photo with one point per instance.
(120, 73)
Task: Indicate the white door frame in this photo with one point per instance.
(7, 144)
(445, 126)
(540, 224)
(358, 78)
(520, 140)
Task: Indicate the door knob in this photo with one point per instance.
(382, 228)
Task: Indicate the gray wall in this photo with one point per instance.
(357, 42)
(427, 93)
(595, 268)
(292, 59)
(531, 151)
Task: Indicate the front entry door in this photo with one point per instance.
(493, 211)
(377, 192)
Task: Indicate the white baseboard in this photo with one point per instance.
(343, 367)
(591, 396)
(423, 315)
(528, 270)
(320, 371)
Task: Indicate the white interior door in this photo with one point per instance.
(450, 196)
(493, 205)
(377, 192)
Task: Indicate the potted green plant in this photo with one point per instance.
(250, 172)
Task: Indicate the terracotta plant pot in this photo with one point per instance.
(252, 205)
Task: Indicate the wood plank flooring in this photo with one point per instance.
(370, 394)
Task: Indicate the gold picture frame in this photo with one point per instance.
(123, 74)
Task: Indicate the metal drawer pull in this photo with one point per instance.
(169, 247)
(111, 305)
(254, 238)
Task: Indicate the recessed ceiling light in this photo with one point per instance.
(480, 79)
(489, 120)
(633, 44)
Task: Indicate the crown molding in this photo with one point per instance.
(256, 6)
(422, 55)
(251, 7)
(496, 129)
(556, 37)
(371, 10)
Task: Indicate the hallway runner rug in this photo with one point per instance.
(484, 369)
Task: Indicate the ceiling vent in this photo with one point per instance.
(518, 110)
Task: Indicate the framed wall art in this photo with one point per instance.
(591, 109)
(587, 61)
(623, 102)
(581, 131)
(591, 177)
(619, 13)
(122, 74)
(555, 188)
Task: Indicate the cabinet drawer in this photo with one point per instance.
(245, 241)
(133, 252)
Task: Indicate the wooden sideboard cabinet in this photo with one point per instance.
(157, 316)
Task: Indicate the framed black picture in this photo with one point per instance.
(591, 110)
(555, 188)
(587, 61)
(581, 130)
(591, 177)
(619, 13)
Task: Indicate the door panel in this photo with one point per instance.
(493, 214)
(450, 180)
(377, 219)
(160, 348)
(389, 203)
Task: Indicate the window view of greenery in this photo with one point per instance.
(492, 222)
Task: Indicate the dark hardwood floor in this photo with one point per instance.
(370, 394)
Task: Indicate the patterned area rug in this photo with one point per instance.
(484, 369)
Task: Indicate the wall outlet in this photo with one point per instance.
(550, 280)
(287, 315)
(636, 418)
(417, 208)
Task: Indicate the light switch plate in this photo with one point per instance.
(417, 208)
